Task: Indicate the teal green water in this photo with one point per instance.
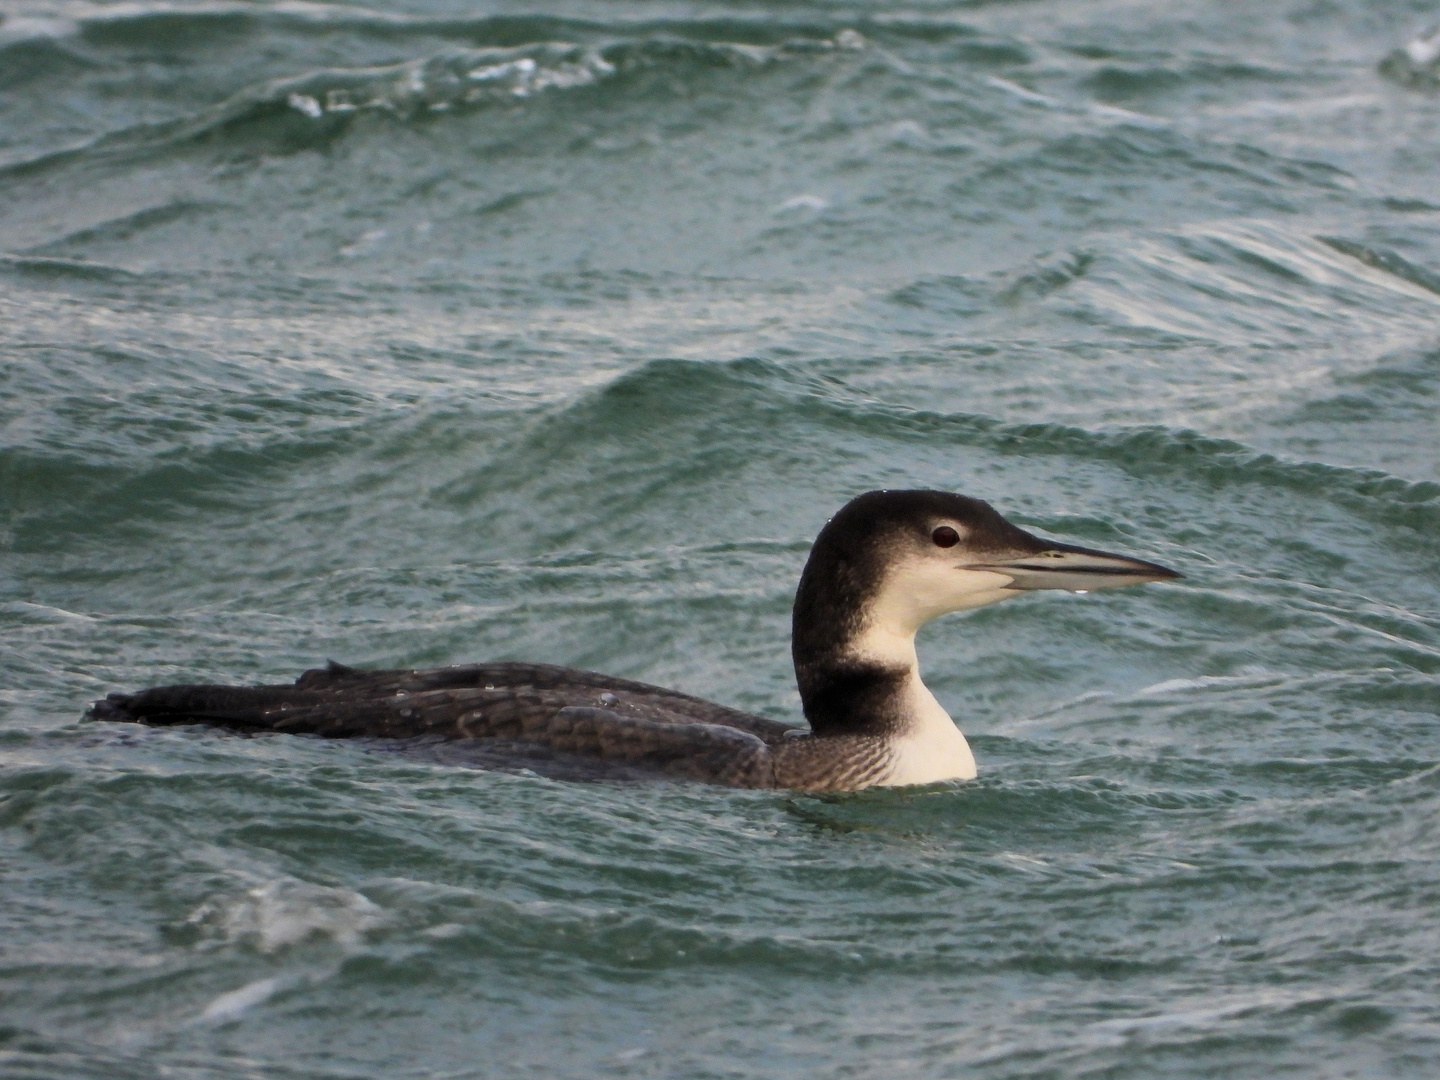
(427, 333)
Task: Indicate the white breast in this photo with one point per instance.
(931, 748)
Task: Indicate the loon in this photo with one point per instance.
(887, 563)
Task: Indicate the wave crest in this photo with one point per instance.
(315, 106)
(436, 83)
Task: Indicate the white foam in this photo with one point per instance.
(1424, 50)
(45, 612)
(1022, 93)
(283, 913)
(803, 202)
(306, 104)
(1204, 682)
(229, 1006)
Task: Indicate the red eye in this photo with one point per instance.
(945, 536)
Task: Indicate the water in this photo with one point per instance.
(422, 333)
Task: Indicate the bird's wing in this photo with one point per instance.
(551, 682)
(474, 702)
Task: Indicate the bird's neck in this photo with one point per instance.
(857, 675)
(869, 684)
(853, 643)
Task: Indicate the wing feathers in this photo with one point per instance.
(566, 710)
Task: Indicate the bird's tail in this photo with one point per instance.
(239, 707)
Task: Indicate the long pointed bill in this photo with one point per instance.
(1064, 566)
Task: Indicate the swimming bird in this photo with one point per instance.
(887, 563)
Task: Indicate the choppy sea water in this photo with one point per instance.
(425, 332)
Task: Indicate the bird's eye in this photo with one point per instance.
(945, 536)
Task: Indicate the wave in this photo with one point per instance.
(1390, 262)
(665, 422)
(36, 52)
(1155, 451)
(308, 110)
(1237, 282)
(751, 399)
(480, 60)
(74, 271)
(1130, 146)
(1128, 82)
(98, 463)
(129, 23)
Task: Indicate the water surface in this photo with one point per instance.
(423, 332)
